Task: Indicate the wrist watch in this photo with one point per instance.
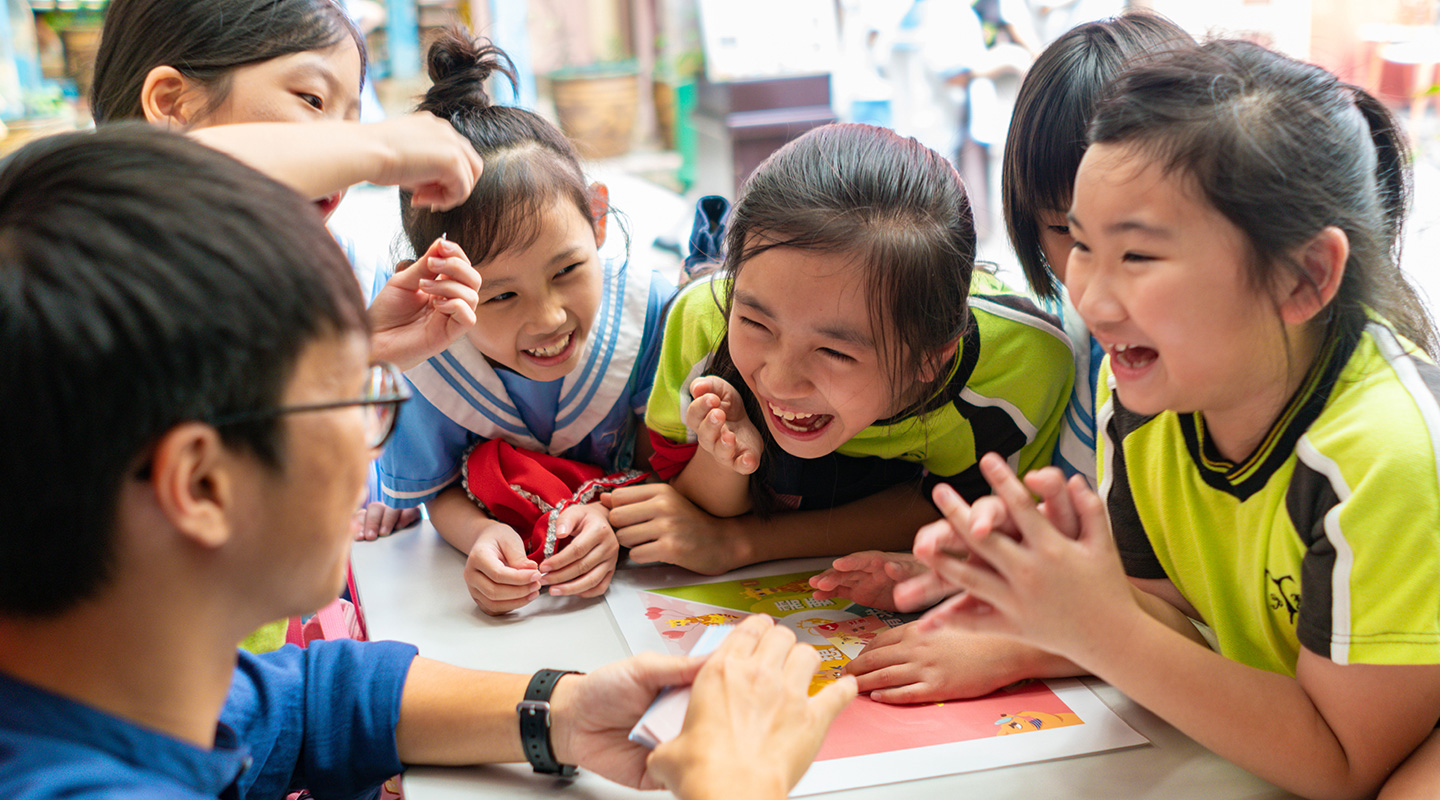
(534, 713)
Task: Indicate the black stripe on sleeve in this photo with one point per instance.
(1307, 500)
(1136, 553)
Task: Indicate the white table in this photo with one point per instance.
(412, 590)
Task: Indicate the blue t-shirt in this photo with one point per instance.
(458, 397)
(321, 718)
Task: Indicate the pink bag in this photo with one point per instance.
(339, 619)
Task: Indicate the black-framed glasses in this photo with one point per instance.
(385, 391)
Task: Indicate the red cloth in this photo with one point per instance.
(525, 489)
(669, 457)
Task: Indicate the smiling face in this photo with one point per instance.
(312, 86)
(538, 303)
(1159, 276)
(801, 338)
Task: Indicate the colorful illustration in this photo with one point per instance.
(668, 609)
(1033, 721)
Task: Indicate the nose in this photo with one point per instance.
(548, 315)
(1093, 293)
(783, 377)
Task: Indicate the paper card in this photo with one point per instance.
(662, 721)
(667, 609)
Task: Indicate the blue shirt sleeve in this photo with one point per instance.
(320, 718)
(422, 456)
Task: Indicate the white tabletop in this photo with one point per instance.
(411, 587)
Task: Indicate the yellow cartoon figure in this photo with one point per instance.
(755, 591)
(1034, 721)
(705, 619)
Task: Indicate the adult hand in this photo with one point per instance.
(752, 729)
(717, 415)
(427, 305)
(659, 524)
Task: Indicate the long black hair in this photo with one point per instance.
(1052, 111)
(205, 40)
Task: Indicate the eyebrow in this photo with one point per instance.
(1126, 226)
(567, 254)
(842, 333)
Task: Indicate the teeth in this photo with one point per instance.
(789, 416)
(552, 350)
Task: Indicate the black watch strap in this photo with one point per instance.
(534, 713)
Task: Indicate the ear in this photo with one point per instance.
(939, 362)
(191, 474)
(1323, 261)
(599, 210)
(169, 98)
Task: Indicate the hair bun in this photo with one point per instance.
(459, 65)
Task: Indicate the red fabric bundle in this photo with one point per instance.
(528, 490)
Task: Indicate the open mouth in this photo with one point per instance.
(329, 203)
(796, 423)
(553, 353)
(1133, 357)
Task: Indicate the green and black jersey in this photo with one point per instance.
(1007, 394)
(1328, 536)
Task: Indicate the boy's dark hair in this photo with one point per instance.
(145, 281)
(893, 207)
(1283, 150)
(1047, 130)
(529, 164)
(205, 40)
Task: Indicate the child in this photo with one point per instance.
(1269, 450)
(276, 84)
(560, 360)
(840, 319)
(1044, 148)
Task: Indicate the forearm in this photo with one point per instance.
(458, 519)
(313, 158)
(1262, 721)
(886, 520)
(452, 716)
(713, 486)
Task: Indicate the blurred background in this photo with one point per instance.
(671, 100)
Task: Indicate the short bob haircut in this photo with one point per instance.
(145, 281)
(1047, 131)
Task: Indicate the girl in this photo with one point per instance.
(1044, 148)
(836, 357)
(560, 360)
(1266, 393)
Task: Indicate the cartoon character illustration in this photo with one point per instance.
(753, 590)
(1027, 721)
(857, 631)
(832, 668)
(705, 619)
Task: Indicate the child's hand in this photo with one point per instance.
(428, 157)
(586, 563)
(910, 665)
(427, 305)
(659, 524)
(500, 576)
(377, 519)
(1045, 588)
(869, 578)
(717, 415)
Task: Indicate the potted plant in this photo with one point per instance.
(595, 80)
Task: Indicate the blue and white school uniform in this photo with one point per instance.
(1075, 452)
(590, 415)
